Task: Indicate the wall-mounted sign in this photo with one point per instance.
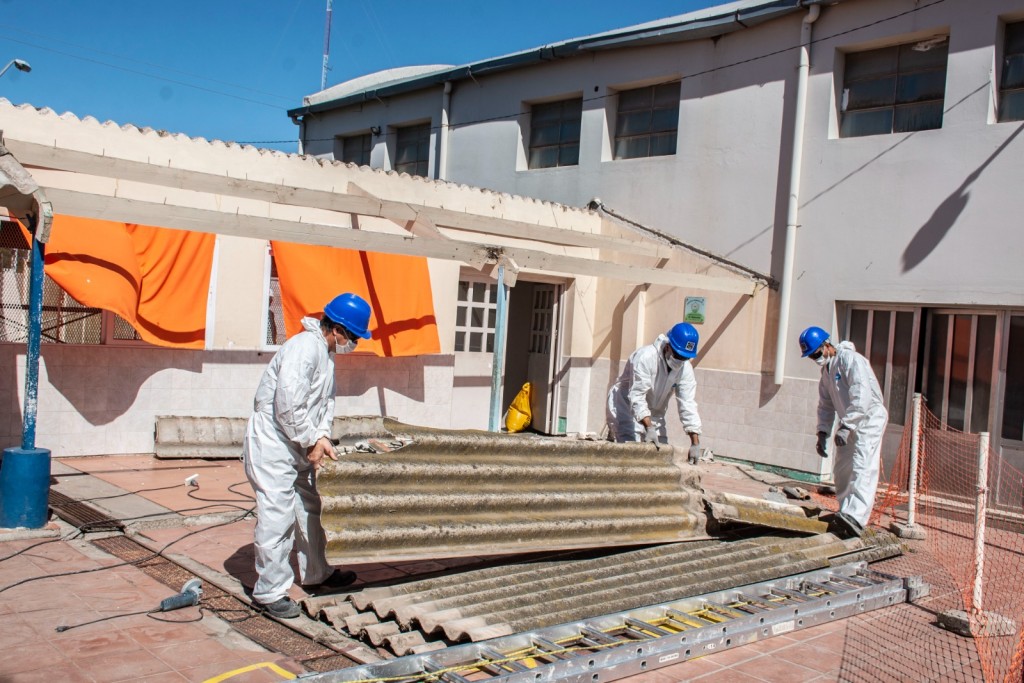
(694, 310)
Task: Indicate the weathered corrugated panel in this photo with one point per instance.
(509, 599)
(401, 492)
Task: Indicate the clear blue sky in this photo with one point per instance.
(230, 69)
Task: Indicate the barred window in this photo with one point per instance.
(64, 320)
(894, 89)
(476, 316)
(355, 149)
(275, 312)
(412, 150)
(555, 133)
(647, 121)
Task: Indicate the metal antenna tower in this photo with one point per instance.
(327, 46)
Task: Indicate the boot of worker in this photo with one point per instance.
(846, 526)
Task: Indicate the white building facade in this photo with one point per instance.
(881, 188)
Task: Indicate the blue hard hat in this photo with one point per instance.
(811, 340)
(683, 338)
(352, 311)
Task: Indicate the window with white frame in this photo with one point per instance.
(1011, 84)
(555, 133)
(63, 320)
(895, 89)
(412, 150)
(647, 121)
(354, 149)
(476, 316)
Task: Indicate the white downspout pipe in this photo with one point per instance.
(442, 147)
(793, 209)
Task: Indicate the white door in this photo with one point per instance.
(543, 356)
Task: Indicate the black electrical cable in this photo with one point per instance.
(151, 556)
(61, 629)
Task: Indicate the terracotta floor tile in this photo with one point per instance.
(130, 665)
(259, 675)
(105, 642)
(776, 669)
(57, 673)
(732, 656)
(690, 669)
(820, 660)
(161, 634)
(31, 656)
(165, 677)
(197, 653)
(728, 676)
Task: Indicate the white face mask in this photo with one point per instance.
(673, 362)
(822, 360)
(341, 350)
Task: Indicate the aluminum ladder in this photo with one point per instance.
(615, 646)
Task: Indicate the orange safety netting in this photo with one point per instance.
(945, 509)
(396, 287)
(157, 279)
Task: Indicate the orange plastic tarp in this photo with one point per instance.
(157, 279)
(397, 288)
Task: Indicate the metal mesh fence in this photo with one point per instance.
(64, 320)
(981, 558)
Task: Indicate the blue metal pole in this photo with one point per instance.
(35, 323)
(25, 471)
(499, 352)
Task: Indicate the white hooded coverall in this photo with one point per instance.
(644, 388)
(293, 408)
(848, 388)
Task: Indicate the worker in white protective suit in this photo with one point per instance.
(848, 389)
(286, 441)
(638, 399)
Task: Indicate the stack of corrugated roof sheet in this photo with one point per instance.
(401, 492)
(480, 604)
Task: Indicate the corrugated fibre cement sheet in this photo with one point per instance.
(401, 492)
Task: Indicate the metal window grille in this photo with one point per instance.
(1011, 84)
(894, 89)
(541, 323)
(355, 149)
(476, 316)
(555, 133)
(412, 150)
(275, 312)
(64, 320)
(888, 338)
(647, 121)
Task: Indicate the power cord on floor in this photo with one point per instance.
(151, 556)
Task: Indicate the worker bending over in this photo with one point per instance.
(848, 388)
(638, 399)
(286, 441)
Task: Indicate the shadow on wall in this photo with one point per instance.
(946, 214)
(356, 375)
(103, 383)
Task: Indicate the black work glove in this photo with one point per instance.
(822, 443)
(842, 435)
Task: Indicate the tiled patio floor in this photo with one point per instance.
(896, 644)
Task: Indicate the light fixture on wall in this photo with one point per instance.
(375, 130)
(929, 43)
